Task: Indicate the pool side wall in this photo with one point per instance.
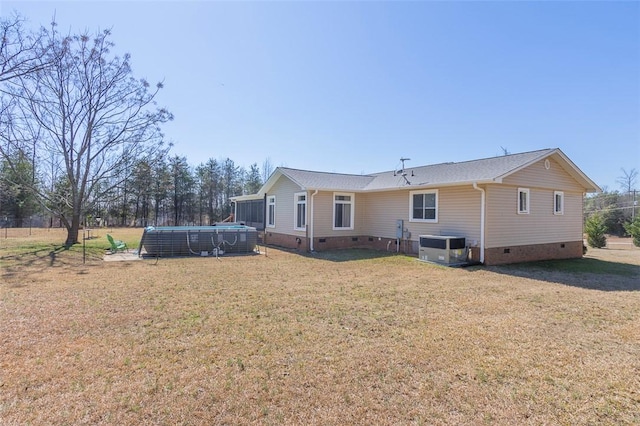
(181, 241)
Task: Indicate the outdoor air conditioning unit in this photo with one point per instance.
(447, 250)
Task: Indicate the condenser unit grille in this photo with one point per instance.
(442, 249)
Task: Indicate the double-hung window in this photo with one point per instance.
(523, 200)
(343, 210)
(300, 211)
(423, 206)
(271, 211)
(558, 202)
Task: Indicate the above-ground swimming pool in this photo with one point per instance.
(199, 240)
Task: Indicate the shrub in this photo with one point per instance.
(613, 221)
(633, 228)
(595, 229)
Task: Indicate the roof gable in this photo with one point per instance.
(310, 180)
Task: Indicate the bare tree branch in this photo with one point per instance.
(80, 110)
(628, 180)
(19, 50)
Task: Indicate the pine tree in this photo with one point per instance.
(595, 229)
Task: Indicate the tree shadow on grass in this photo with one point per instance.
(17, 267)
(587, 273)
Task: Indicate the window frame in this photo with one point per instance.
(527, 193)
(297, 203)
(271, 214)
(351, 203)
(436, 208)
(556, 195)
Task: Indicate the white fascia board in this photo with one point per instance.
(247, 197)
(434, 185)
(594, 187)
(274, 178)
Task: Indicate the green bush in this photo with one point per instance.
(613, 221)
(633, 228)
(595, 229)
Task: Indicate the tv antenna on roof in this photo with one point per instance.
(403, 159)
(402, 171)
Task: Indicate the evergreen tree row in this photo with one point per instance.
(162, 192)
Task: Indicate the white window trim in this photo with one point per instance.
(352, 210)
(296, 203)
(555, 202)
(429, 191)
(528, 206)
(271, 200)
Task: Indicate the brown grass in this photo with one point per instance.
(336, 338)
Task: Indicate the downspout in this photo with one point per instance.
(482, 218)
(311, 223)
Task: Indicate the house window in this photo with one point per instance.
(523, 200)
(558, 202)
(343, 210)
(271, 211)
(423, 206)
(300, 211)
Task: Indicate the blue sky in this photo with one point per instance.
(352, 87)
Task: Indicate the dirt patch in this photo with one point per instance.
(618, 243)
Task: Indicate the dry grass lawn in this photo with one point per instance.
(352, 337)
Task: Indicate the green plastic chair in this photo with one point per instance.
(116, 245)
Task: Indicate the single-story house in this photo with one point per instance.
(511, 208)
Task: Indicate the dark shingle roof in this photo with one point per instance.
(481, 171)
(322, 180)
(452, 173)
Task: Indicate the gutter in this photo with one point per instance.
(482, 218)
(311, 222)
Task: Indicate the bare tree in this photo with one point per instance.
(628, 180)
(82, 113)
(20, 51)
(267, 169)
(19, 56)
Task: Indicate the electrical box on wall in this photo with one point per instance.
(399, 228)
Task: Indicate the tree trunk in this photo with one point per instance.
(73, 229)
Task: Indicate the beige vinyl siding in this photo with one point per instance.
(323, 216)
(382, 209)
(284, 189)
(505, 227)
(458, 214)
(537, 176)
